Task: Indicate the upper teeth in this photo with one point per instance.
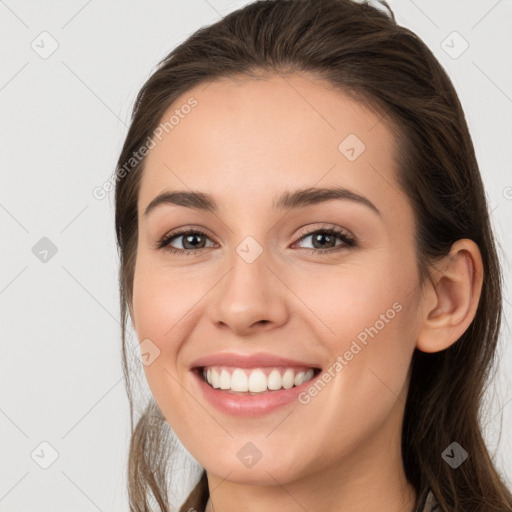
(255, 380)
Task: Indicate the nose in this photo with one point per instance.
(249, 298)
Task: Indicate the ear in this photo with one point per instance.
(451, 297)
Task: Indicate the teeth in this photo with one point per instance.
(239, 381)
(274, 380)
(299, 378)
(257, 380)
(224, 380)
(215, 379)
(288, 378)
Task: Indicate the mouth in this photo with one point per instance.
(255, 381)
(252, 385)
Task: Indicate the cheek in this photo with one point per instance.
(364, 302)
(161, 308)
(366, 319)
(166, 308)
(161, 300)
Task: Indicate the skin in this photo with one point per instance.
(245, 143)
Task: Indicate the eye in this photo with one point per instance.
(192, 240)
(324, 239)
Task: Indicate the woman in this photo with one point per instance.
(307, 261)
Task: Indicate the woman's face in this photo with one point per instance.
(253, 285)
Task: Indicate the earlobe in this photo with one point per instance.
(452, 298)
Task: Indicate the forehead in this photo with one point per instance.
(251, 138)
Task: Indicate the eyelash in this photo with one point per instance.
(348, 241)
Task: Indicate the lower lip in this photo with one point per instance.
(250, 405)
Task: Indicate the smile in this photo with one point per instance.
(255, 380)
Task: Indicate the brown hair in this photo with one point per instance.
(362, 51)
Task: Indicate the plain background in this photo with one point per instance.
(64, 118)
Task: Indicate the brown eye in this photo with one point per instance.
(324, 240)
(190, 240)
(193, 241)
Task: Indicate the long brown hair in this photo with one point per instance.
(362, 51)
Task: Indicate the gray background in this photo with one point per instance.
(64, 118)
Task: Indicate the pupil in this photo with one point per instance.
(320, 238)
(189, 238)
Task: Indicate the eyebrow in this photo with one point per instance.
(288, 200)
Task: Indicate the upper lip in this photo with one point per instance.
(258, 360)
